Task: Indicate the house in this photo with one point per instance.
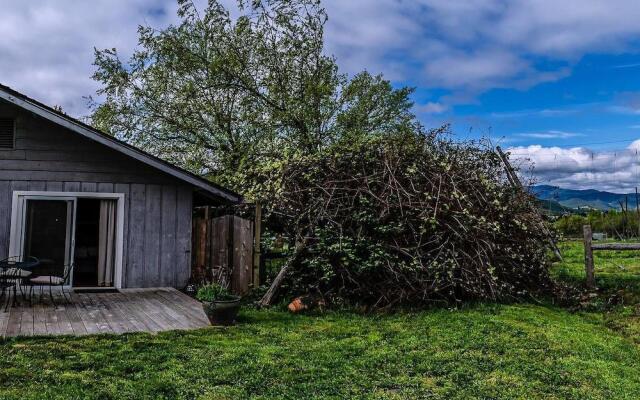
(69, 192)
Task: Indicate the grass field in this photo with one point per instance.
(614, 269)
(484, 351)
(618, 281)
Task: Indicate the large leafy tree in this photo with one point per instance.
(219, 94)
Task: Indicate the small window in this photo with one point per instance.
(6, 133)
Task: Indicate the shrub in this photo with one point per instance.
(410, 218)
(615, 223)
(213, 292)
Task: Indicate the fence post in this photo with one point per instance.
(588, 257)
(257, 232)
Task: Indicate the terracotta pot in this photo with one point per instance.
(222, 312)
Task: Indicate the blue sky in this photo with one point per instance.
(556, 82)
(594, 104)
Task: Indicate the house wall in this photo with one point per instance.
(158, 207)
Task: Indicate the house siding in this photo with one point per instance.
(157, 206)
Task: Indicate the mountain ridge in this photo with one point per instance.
(585, 198)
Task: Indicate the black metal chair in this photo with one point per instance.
(6, 284)
(13, 272)
(49, 277)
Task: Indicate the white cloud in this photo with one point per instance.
(546, 112)
(581, 168)
(623, 66)
(466, 47)
(552, 134)
(475, 45)
(47, 45)
(431, 108)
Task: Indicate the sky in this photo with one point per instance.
(554, 82)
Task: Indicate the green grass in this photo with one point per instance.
(617, 279)
(484, 351)
(613, 269)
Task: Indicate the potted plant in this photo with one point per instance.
(219, 304)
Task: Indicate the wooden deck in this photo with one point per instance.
(130, 310)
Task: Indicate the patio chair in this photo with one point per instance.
(13, 272)
(50, 277)
(6, 284)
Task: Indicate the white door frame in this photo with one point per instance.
(17, 221)
(16, 248)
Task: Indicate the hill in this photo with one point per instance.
(552, 207)
(581, 199)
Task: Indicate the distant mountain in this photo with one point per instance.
(582, 199)
(552, 207)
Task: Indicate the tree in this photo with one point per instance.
(215, 93)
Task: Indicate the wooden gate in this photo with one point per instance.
(223, 252)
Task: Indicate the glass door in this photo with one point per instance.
(48, 232)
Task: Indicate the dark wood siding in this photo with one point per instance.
(157, 237)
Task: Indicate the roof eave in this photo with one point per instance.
(65, 121)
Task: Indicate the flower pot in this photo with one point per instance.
(222, 312)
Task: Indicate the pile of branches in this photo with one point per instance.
(408, 219)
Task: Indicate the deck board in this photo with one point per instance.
(26, 322)
(129, 310)
(154, 311)
(4, 320)
(39, 324)
(90, 325)
(191, 308)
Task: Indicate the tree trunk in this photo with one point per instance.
(268, 297)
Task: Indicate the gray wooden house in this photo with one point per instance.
(71, 193)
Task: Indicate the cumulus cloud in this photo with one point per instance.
(47, 45)
(468, 47)
(461, 47)
(580, 167)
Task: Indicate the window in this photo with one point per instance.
(7, 130)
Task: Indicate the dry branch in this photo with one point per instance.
(409, 219)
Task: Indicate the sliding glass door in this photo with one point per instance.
(60, 228)
(48, 232)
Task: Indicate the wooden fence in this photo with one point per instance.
(589, 248)
(223, 252)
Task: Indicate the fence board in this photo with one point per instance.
(242, 255)
(219, 248)
(223, 251)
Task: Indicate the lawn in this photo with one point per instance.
(484, 351)
(618, 281)
(613, 269)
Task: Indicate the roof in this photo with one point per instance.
(59, 118)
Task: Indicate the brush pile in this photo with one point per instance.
(406, 220)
